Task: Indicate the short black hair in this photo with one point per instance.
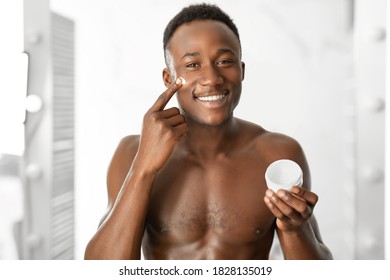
(197, 12)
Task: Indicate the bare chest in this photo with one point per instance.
(222, 204)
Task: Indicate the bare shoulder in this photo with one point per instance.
(270, 146)
(128, 145)
(120, 164)
(270, 143)
(280, 145)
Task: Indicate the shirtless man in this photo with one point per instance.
(192, 185)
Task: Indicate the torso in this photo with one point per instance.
(212, 209)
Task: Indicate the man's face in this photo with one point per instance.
(206, 53)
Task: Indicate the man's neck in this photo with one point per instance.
(207, 142)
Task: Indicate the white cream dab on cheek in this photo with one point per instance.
(183, 81)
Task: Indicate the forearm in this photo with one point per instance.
(120, 234)
(302, 244)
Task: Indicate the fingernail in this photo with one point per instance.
(268, 193)
(269, 203)
(283, 194)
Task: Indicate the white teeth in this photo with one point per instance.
(212, 98)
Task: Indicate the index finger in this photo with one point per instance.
(164, 98)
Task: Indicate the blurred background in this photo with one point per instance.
(78, 75)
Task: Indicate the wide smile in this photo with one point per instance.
(212, 97)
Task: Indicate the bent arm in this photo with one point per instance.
(119, 235)
(301, 238)
(130, 181)
(296, 225)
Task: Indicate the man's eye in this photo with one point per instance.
(225, 61)
(192, 65)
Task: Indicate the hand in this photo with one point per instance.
(161, 130)
(291, 208)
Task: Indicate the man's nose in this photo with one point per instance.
(211, 76)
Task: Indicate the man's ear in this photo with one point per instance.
(243, 70)
(167, 78)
